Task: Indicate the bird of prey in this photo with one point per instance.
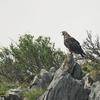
(72, 44)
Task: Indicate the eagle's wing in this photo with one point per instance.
(72, 43)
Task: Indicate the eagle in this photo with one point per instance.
(72, 44)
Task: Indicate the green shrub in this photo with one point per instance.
(84, 68)
(29, 55)
(88, 70)
(91, 64)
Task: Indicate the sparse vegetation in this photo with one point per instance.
(33, 95)
(84, 68)
(88, 70)
(92, 69)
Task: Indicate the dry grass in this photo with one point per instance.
(33, 95)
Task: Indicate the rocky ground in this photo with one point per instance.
(66, 83)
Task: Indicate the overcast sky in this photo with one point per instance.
(48, 18)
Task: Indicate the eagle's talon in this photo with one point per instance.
(69, 53)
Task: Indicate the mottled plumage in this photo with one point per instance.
(72, 44)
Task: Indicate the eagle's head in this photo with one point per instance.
(65, 33)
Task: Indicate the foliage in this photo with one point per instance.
(92, 49)
(88, 70)
(29, 55)
(6, 64)
(84, 68)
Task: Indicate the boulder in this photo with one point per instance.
(88, 81)
(52, 71)
(46, 78)
(36, 83)
(14, 94)
(43, 83)
(95, 91)
(77, 72)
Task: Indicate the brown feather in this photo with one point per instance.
(72, 44)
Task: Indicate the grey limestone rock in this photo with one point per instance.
(77, 72)
(68, 64)
(46, 78)
(14, 94)
(52, 71)
(43, 83)
(88, 81)
(36, 83)
(95, 91)
(73, 68)
(64, 87)
(67, 83)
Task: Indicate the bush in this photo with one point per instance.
(88, 70)
(84, 68)
(29, 55)
(92, 48)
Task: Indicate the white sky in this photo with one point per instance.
(48, 18)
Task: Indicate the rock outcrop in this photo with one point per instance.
(43, 83)
(64, 87)
(95, 91)
(66, 83)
